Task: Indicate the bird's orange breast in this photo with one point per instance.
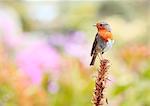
(105, 34)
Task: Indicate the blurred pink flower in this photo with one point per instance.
(37, 59)
(57, 40)
(53, 87)
(74, 44)
(77, 45)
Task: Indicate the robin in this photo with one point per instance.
(103, 40)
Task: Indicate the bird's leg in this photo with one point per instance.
(101, 56)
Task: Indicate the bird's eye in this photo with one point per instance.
(101, 25)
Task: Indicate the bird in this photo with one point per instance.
(103, 40)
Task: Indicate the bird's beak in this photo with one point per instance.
(94, 25)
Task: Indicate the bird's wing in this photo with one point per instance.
(109, 44)
(94, 44)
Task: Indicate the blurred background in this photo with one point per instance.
(45, 52)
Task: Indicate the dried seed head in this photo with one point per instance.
(100, 83)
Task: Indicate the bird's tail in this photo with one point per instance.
(93, 59)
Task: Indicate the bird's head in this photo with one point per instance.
(103, 25)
